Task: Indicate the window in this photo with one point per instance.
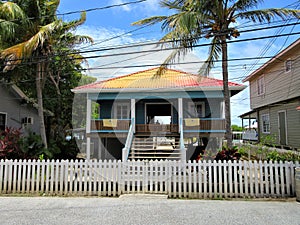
(261, 85)
(122, 111)
(27, 120)
(265, 123)
(196, 109)
(288, 65)
(2, 121)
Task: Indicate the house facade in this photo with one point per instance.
(145, 116)
(274, 98)
(16, 110)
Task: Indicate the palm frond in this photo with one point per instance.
(214, 52)
(243, 5)
(150, 21)
(11, 11)
(13, 56)
(268, 14)
(75, 23)
(168, 61)
(39, 38)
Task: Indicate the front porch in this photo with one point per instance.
(206, 125)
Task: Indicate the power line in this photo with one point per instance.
(172, 41)
(141, 45)
(132, 31)
(79, 11)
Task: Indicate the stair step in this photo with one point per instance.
(154, 148)
(153, 157)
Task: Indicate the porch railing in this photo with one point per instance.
(250, 135)
(206, 125)
(152, 128)
(182, 147)
(126, 149)
(118, 125)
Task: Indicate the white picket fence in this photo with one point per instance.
(204, 179)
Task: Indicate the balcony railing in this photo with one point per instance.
(110, 125)
(203, 125)
(156, 128)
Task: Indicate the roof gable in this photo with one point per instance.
(283, 53)
(147, 79)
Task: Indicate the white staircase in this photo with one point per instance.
(155, 148)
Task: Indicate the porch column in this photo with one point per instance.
(180, 112)
(88, 127)
(133, 114)
(222, 111)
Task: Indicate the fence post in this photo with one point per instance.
(297, 183)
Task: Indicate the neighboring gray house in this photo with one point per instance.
(17, 110)
(275, 98)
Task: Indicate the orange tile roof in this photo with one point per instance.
(147, 79)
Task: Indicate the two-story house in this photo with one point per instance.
(275, 96)
(144, 116)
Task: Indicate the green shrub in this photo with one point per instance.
(9, 143)
(228, 154)
(283, 156)
(32, 147)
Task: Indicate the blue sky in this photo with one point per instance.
(107, 23)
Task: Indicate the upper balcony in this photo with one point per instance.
(190, 125)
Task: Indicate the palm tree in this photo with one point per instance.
(10, 15)
(192, 20)
(39, 37)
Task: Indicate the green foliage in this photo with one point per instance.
(63, 149)
(236, 128)
(32, 147)
(283, 156)
(9, 147)
(270, 140)
(228, 154)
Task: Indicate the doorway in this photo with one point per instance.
(282, 127)
(158, 113)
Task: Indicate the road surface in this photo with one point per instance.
(145, 210)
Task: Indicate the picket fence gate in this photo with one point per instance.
(203, 179)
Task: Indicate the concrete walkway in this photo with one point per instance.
(145, 210)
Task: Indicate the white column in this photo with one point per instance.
(222, 109)
(88, 127)
(133, 113)
(180, 110)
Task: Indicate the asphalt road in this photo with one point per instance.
(145, 210)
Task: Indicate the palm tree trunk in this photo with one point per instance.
(228, 134)
(39, 91)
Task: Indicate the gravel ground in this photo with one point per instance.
(145, 209)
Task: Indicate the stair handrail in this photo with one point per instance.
(182, 147)
(126, 149)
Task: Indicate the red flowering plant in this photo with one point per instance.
(228, 154)
(9, 143)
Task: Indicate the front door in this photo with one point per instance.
(158, 113)
(282, 127)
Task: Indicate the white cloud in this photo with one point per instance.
(126, 8)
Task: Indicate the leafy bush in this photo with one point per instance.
(32, 147)
(228, 154)
(63, 149)
(283, 156)
(9, 143)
